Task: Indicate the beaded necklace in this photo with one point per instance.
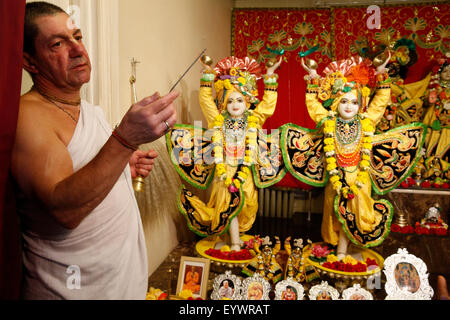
(359, 156)
(238, 132)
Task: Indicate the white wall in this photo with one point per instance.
(166, 36)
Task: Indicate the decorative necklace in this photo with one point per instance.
(348, 131)
(248, 125)
(60, 100)
(334, 159)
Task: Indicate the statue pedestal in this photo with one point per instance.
(219, 264)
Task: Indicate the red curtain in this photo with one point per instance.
(331, 34)
(11, 40)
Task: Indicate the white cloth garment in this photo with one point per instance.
(105, 256)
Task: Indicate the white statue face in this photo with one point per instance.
(445, 73)
(236, 104)
(348, 106)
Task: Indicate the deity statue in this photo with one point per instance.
(406, 104)
(343, 153)
(231, 154)
(436, 170)
(266, 264)
(437, 116)
(433, 218)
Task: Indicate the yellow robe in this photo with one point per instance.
(438, 141)
(208, 214)
(362, 205)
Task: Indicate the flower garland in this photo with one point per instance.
(243, 254)
(419, 229)
(339, 184)
(234, 183)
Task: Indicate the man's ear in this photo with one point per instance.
(29, 64)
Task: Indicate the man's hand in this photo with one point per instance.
(141, 163)
(442, 291)
(149, 119)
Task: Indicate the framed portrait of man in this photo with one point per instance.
(226, 287)
(193, 275)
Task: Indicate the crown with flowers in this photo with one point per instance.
(239, 74)
(345, 75)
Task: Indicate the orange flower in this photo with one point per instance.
(359, 74)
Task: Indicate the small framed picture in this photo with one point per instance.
(193, 276)
(323, 291)
(356, 293)
(289, 289)
(255, 288)
(226, 287)
(406, 277)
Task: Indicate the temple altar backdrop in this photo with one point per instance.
(331, 34)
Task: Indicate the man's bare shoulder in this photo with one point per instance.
(31, 107)
(35, 121)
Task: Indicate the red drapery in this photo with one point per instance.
(11, 40)
(332, 34)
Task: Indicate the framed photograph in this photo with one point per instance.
(289, 289)
(193, 275)
(323, 291)
(255, 288)
(406, 277)
(356, 293)
(226, 286)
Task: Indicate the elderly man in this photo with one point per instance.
(81, 227)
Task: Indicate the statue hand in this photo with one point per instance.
(382, 68)
(312, 73)
(272, 69)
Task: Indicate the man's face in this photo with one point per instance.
(61, 57)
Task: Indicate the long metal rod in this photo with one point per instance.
(176, 83)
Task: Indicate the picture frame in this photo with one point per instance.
(323, 291)
(356, 293)
(289, 289)
(227, 286)
(406, 277)
(193, 275)
(255, 288)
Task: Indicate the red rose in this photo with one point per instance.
(162, 296)
(371, 262)
(404, 184)
(426, 184)
(404, 229)
(351, 196)
(335, 265)
(445, 185)
(395, 228)
(436, 185)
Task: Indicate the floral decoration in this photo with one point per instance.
(437, 230)
(155, 294)
(243, 254)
